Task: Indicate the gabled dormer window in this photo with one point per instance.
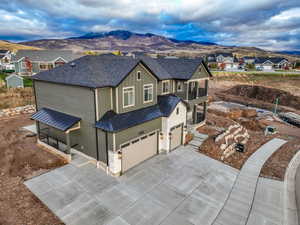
(138, 75)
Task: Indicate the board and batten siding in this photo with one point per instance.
(131, 80)
(76, 101)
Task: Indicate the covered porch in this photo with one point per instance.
(54, 130)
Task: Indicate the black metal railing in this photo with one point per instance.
(194, 94)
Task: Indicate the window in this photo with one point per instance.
(43, 66)
(148, 93)
(128, 97)
(177, 111)
(165, 87)
(138, 75)
(179, 86)
(23, 65)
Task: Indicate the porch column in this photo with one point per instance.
(195, 114)
(68, 151)
(187, 91)
(197, 89)
(206, 87)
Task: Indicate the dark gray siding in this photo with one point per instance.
(76, 101)
(136, 131)
(131, 80)
(200, 73)
(104, 100)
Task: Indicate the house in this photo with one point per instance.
(227, 61)
(29, 62)
(120, 110)
(5, 60)
(14, 81)
(270, 64)
(264, 64)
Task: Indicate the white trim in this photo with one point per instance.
(151, 84)
(133, 104)
(114, 142)
(111, 98)
(117, 102)
(59, 58)
(97, 104)
(162, 86)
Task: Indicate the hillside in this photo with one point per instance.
(14, 47)
(127, 41)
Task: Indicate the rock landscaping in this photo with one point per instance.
(17, 111)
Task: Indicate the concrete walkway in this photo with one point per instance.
(238, 206)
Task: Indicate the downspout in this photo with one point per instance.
(96, 129)
(36, 109)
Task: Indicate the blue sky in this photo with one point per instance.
(268, 24)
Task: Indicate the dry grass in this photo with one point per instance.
(14, 47)
(14, 97)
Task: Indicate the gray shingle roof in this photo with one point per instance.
(45, 55)
(113, 122)
(90, 71)
(109, 71)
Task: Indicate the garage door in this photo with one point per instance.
(176, 136)
(139, 150)
(267, 67)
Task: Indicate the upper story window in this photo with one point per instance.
(138, 75)
(128, 97)
(148, 93)
(177, 111)
(179, 85)
(165, 87)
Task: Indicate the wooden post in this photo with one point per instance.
(187, 91)
(68, 151)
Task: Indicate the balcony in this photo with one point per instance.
(196, 93)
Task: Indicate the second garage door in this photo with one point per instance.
(176, 136)
(139, 150)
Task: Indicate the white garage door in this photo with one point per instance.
(267, 67)
(138, 150)
(176, 136)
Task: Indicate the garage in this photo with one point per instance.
(267, 67)
(138, 150)
(176, 137)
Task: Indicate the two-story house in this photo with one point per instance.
(5, 60)
(118, 110)
(29, 62)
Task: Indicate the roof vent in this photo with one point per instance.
(72, 64)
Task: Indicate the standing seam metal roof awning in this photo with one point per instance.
(58, 120)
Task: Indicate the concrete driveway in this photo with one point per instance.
(181, 188)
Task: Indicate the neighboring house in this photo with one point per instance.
(119, 110)
(29, 62)
(270, 64)
(5, 60)
(14, 81)
(227, 61)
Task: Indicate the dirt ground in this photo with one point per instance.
(20, 159)
(211, 149)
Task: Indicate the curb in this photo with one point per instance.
(290, 211)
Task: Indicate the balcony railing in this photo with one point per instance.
(194, 94)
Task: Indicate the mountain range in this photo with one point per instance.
(127, 41)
